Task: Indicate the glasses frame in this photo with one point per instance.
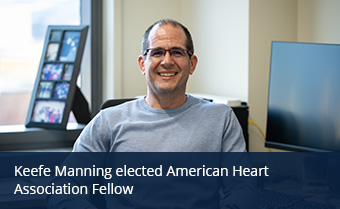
(167, 50)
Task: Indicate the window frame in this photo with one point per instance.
(18, 137)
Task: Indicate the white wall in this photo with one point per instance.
(220, 32)
(269, 21)
(318, 21)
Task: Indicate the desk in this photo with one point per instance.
(18, 137)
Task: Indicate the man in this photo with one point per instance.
(167, 119)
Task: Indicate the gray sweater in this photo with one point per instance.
(196, 126)
(133, 127)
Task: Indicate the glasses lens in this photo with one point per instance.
(157, 52)
(177, 52)
(160, 52)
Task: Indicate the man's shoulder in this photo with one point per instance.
(126, 104)
(206, 104)
(120, 109)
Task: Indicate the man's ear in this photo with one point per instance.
(141, 63)
(193, 63)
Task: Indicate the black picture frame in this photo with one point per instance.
(55, 92)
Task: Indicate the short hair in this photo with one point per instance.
(189, 43)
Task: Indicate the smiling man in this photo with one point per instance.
(166, 119)
(167, 62)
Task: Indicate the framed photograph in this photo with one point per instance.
(48, 111)
(52, 52)
(68, 70)
(69, 46)
(55, 92)
(52, 72)
(61, 90)
(56, 35)
(45, 90)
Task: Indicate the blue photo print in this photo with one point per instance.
(45, 90)
(52, 72)
(69, 46)
(48, 111)
(51, 52)
(56, 35)
(68, 72)
(61, 90)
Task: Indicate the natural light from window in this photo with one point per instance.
(23, 26)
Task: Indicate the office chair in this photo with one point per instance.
(114, 102)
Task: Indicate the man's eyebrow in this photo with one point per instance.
(175, 47)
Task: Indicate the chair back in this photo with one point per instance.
(114, 102)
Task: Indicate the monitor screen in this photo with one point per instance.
(304, 97)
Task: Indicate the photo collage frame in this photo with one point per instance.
(55, 84)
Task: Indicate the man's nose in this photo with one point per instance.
(167, 59)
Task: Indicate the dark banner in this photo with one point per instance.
(169, 180)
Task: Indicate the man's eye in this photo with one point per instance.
(156, 53)
(177, 52)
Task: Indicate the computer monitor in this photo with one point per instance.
(304, 97)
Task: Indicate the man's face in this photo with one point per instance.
(167, 74)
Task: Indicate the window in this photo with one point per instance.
(23, 28)
(23, 42)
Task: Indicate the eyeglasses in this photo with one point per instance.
(160, 52)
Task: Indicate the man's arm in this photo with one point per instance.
(95, 137)
(238, 191)
(233, 139)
